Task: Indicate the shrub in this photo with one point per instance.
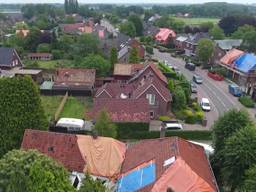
(149, 50)
(189, 116)
(57, 54)
(247, 101)
(179, 98)
(164, 118)
(191, 135)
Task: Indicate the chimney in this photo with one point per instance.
(162, 130)
(94, 134)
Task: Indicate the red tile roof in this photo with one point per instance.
(62, 147)
(122, 110)
(115, 90)
(156, 71)
(153, 82)
(162, 149)
(75, 77)
(164, 34)
(101, 157)
(72, 27)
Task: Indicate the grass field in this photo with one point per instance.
(76, 107)
(53, 64)
(50, 105)
(48, 64)
(197, 21)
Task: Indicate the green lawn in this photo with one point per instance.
(76, 107)
(197, 21)
(48, 64)
(50, 105)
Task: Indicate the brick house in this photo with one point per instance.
(148, 83)
(222, 47)
(75, 81)
(40, 56)
(158, 164)
(164, 36)
(9, 58)
(123, 72)
(148, 165)
(191, 42)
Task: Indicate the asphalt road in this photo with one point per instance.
(216, 92)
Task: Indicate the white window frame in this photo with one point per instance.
(151, 99)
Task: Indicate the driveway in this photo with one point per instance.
(216, 91)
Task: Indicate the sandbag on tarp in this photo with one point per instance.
(137, 178)
(181, 178)
(246, 62)
(103, 156)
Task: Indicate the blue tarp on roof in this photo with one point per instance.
(246, 62)
(137, 179)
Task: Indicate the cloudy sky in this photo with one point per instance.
(130, 1)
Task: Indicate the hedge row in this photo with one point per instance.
(130, 134)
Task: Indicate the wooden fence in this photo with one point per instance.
(61, 106)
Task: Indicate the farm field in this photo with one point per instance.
(197, 21)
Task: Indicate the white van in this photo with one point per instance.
(205, 104)
(73, 124)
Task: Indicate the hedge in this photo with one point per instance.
(190, 135)
(247, 101)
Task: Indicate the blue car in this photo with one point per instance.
(235, 90)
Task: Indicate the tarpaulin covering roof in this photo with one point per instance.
(164, 34)
(103, 156)
(137, 178)
(180, 177)
(232, 55)
(246, 62)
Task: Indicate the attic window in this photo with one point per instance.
(50, 149)
(169, 161)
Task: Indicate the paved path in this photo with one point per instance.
(216, 91)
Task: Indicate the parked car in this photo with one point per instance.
(193, 87)
(172, 124)
(235, 90)
(205, 104)
(190, 66)
(197, 79)
(177, 70)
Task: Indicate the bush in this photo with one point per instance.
(127, 129)
(149, 50)
(57, 54)
(191, 135)
(247, 101)
(179, 98)
(164, 118)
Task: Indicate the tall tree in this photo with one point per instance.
(32, 171)
(21, 109)
(239, 154)
(104, 126)
(217, 33)
(113, 57)
(136, 20)
(223, 128)
(90, 185)
(97, 62)
(134, 56)
(205, 50)
(128, 28)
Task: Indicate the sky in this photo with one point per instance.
(130, 1)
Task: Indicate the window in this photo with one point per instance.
(151, 113)
(151, 99)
